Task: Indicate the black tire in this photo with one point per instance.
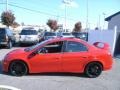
(18, 68)
(93, 69)
(9, 46)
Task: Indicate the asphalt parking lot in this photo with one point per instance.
(108, 80)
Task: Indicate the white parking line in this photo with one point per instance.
(5, 87)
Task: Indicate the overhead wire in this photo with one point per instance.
(37, 11)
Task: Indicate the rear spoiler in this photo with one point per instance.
(102, 45)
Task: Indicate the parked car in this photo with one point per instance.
(65, 34)
(48, 35)
(29, 36)
(59, 55)
(81, 35)
(6, 37)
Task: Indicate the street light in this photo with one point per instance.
(87, 15)
(66, 2)
(104, 20)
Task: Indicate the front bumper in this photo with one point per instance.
(5, 66)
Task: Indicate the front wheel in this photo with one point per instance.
(18, 68)
(93, 69)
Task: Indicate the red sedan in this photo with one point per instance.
(59, 55)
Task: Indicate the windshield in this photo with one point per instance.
(34, 46)
(75, 33)
(50, 34)
(66, 33)
(2, 31)
(28, 32)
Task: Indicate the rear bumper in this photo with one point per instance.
(107, 67)
(3, 43)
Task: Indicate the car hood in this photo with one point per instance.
(15, 54)
(16, 51)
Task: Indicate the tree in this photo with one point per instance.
(77, 27)
(15, 24)
(7, 18)
(52, 24)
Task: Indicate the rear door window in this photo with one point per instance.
(28, 32)
(75, 47)
(50, 34)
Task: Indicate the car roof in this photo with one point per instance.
(57, 39)
(67, 39)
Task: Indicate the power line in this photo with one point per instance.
(36, 11)
(32, 10)
(41, 4)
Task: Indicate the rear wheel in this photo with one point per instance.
(18, 68)
(93, 69)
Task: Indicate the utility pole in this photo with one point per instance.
(87, 15)
(99, 24)
(65, 16)
(6, 5)
(104, 21)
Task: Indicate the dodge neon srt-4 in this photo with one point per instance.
(60, 55)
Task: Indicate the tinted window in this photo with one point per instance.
(49, 34)
(34, 46)
(55, 47)
(2, 31)
(75, 47)
(28, 32)
(66, 33)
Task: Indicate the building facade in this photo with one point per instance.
(114, 21)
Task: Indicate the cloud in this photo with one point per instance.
(74, 4)
(71, 4)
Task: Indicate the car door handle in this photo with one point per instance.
(84, 57)
(56, 58)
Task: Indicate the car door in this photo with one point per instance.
(48, 59)
(74, 56)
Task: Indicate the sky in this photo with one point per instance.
(37, 12)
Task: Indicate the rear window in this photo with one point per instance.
(66, 33)
(50, 34)
(2, 31)
(76, 33)
(28, 32)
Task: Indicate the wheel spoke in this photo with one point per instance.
(94, 70)
(18, 69)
